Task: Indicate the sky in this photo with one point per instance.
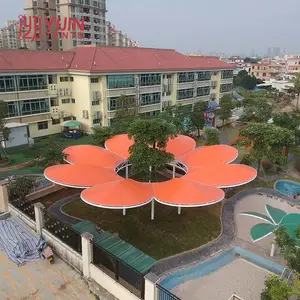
(189, 26)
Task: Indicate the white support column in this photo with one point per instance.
(179, 210)
(87, 253)
(273, 249)
(124, 211)
(151, 292)
(3, 196)
(127, 171)
(39, 217)
(174, 170)
(152, 209)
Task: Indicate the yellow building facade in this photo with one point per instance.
(46, 99)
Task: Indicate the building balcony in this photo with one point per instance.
(23, 95)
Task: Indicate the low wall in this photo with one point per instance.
(67, 253)
(18, 213)
(44, 192)
(110, 284)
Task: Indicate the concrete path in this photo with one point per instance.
(40, 280)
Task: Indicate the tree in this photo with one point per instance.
(276, 289)
(148, 153)
(211, 137)
(4, 131)
(125, 115)
(296, 88)
(243, 79)
(225, 111)
(289, 121)
(19, 188)
(179, 116)
(101, 134)
(267, 141)
(197, 120)
(48, 152)
(259, 112)
(252, 60)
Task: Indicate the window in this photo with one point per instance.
(55, 121)
(85, 114)
(64, 79)
(53, 102)
(13, 110)
(68, 118)
(151, 98)
(120, 81)
(73, 100)
(205, 75)
(28, 107)
(42, 125)
(227, 74)
(203, 91)
(264, 74)
(226, 88)
(65, 101)
(7, 84)
(185, 94)
(32, 82)
(151, 113)
(169, 76)
(186, 77)
(97, 117)
(150, 79)
(115, 103)
(94, 80)
(71, 79)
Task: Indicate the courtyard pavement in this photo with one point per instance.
(40, 280)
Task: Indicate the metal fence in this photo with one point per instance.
(25, 206)
(164, 294)
(63, 231)
(131, 279)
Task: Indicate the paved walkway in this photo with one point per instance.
(4, 169)
(40, 280)
(56, 209)
(226, 238)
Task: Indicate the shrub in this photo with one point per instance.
(267, 165)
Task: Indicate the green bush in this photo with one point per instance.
(267, 165)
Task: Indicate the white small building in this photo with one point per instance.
(18, 135)
(280, 85)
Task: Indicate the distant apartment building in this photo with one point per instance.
(293, 65)
(116, 38)
(9, 36)
(85, 84)
(267, 70)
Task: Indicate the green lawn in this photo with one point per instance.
(167, 235)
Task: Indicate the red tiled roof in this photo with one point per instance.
(32, 61)
(97, 59)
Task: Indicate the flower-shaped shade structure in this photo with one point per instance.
(95, 168)
(275, 219)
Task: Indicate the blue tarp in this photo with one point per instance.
(19, 244)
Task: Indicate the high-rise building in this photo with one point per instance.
(9, 36)
(276, 51)
(116, 38)
(94, 14)
(43, 9)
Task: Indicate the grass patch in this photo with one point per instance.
(166, 235)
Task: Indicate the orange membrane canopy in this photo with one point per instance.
(92, 155)
(178, 146)
(119, 144)
(222, 176)
(125, 193)
(80, 176)
(180, 192)
(211, 155)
